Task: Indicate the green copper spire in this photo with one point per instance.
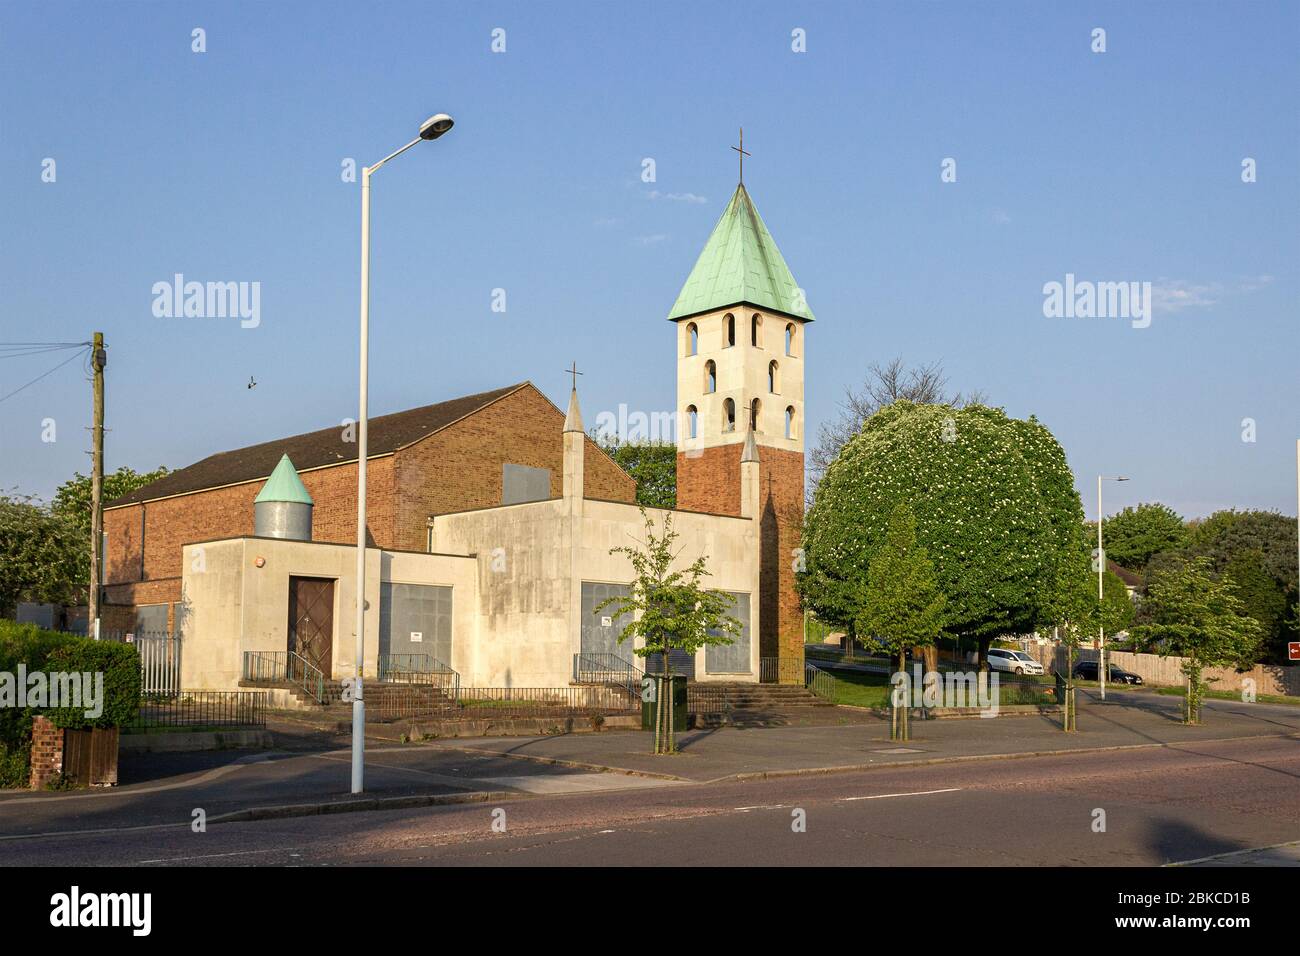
(740, 263)
(284, 485)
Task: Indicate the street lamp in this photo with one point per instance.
(1101, 571)
(430, 129)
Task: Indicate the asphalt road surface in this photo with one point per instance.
(1160, 805)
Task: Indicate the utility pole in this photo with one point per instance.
(98, 359)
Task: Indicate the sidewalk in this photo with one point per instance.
(165, 789)
(1124, 720)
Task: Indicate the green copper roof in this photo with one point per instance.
(284, 485)
(740, 263)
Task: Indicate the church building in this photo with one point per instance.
(491, 518)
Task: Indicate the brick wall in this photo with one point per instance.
(460, 467)
(47, 752)
(710, 481)
(452, 470)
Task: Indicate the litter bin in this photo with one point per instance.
(1060, 687)
(650, 708)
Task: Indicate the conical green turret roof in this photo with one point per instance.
(284, 485)
(740, 263)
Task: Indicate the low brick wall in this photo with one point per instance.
(1167, 671)
(47, 752)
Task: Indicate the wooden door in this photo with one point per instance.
(311, 621)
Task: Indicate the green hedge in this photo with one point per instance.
(51, 652)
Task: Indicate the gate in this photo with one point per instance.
(160, 662)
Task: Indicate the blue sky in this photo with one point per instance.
(225, 166)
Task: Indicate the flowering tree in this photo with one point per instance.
(995, 509)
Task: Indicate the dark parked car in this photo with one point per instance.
(1087, 670)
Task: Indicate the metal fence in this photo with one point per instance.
(160, 657)
(606, 669)
(203, 710)
(398, 701)
(780, 670)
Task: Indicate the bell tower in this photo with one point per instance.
(741, 321)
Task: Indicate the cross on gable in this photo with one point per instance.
(573, 370)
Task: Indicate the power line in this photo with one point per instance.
(74, 355)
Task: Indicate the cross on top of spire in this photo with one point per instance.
(573, 370)
(741, 150)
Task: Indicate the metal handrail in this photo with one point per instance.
(605, 668)
(417, 669)
(818, 682)
(305, 674)
(289, 667)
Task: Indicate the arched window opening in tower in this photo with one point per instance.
(789, 339)
(692, 422)
(756, 331)
(789, 422)
(753, 415)
(692, 339)
(710, 377)
(729, 330)
(729, 416)
(772, 381)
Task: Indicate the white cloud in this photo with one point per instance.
(650, 240)
(1174, 295)
(676, 197)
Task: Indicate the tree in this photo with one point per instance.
(1133, 536)
(72, 498)
(1243, 544)
(653, 464)
(884, 385)
(903, 606)
(1193, 616)
(1260, 596)
(996, 516)
(1078, 616)
(669, 610)
(43, 555)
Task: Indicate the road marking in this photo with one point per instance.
(768, 806)
(884, 796)
(212, 856)
(1292, 845)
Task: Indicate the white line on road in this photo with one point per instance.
(883, 796)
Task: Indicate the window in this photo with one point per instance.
(692, 338)
(753, 415)
(710, 377)
(771, 377)
(789, 339)
(728, 416)
(414, 623)
(756, 331)
(728, 330)
(789, 422)
(692, 422)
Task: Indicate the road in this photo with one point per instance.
(1166, 804)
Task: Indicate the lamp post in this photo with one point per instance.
(1101, 571)
(430, 129)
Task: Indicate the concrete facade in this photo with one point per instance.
(515, 574)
